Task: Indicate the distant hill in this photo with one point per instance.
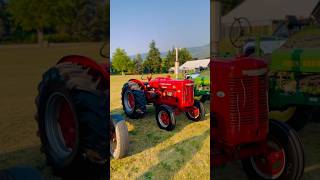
(200, 52)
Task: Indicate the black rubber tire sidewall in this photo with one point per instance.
(299, 119)
(204, 98)
(89, 100)
(172, 119)
(202, 112)
(294, 153)
(43, 98)
(122, 139)
(140, 101)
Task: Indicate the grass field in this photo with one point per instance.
(21, 67)
(157, 154)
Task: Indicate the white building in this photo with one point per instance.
(194, 65)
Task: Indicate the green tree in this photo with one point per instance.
(2, 19)
(82, 19)
(164, 65)
(138, 64)
(153, 59)
(131, 67)
(170, 58)
(106, 21)
(33, 14)
(120, 60)
(183, 56)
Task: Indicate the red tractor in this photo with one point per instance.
(169, 96)
(241, 129)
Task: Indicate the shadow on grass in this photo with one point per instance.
(144, 133)
(32, 157)
(175, 157)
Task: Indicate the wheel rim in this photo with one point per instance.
(271, 165)
(164, 118)
(194, 112)
(129, 101)
(60, 125)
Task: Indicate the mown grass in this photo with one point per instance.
(21, 68)
(183, 153)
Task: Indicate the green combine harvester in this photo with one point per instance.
(202, 88)
(294, 88)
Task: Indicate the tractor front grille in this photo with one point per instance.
(248, 100)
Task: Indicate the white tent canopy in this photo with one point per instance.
(264, 12)
(191, 65)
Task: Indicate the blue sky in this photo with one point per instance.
(182, 23)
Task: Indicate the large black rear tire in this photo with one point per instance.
(79, 149)
(134, 101)
(289, 151)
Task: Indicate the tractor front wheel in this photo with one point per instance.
(119, 137)
(205, 98)
(165, 117)
(283, 159)
(197, 112)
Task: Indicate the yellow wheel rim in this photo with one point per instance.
(282, 115)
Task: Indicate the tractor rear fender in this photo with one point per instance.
(86, 62)
(140, 83)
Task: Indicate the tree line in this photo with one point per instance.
(153, 63)
(53, 20)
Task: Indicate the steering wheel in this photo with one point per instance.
(240, 32)
(149, 77)
(103, 54)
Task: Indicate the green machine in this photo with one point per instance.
(294, 86)
(202, 88)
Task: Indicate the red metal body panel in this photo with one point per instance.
(164, 90)
(172, 92)
(239, 101)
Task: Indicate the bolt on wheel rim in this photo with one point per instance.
(194, 112)
(164, 118)
(271, 165)
(129, 101)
